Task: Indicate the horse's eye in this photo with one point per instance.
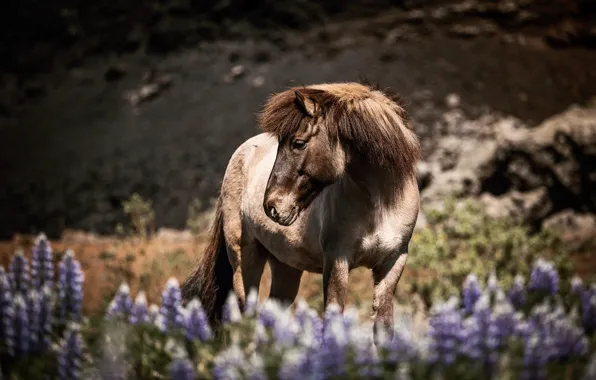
(299, 144)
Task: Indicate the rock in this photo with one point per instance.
(559, 154)
(258, 81)
(472, 30)
(425, 174)
(525, 207)
(114, 73)
(236, 72)
(144, 93)
(575, 228)
(452, 100)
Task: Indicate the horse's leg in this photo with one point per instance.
(386, 276)
(285, 281)
(249, 262)
(336, 270)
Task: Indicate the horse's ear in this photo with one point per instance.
(306, 104)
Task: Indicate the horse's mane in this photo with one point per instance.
(365, 119)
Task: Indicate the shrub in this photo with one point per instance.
(461, 239)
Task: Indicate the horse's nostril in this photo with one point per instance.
(273, 211)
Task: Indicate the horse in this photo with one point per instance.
(329, 185)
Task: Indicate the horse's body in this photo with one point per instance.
(320, 204)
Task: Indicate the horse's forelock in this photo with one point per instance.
(372, 123)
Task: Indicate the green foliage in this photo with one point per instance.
(141, 214)
(198, 220)
(462, 239)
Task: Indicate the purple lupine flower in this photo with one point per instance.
(333, 350)
(70, 287)
(229, 364)
(139, 313)
(505, 319)
(492, 284)
(544, 277)
(366, 356)
(252, 303)
(121, 304)
(267, 314)
(296, 365)
(34, 311)
(5, 302)
(8, 330)
(480, 341)
(517, 293)
(286, 330)
(19, 273)
(45, 317)
(171, 306)
(402, 348)
(534, 359)
(233, 364)
(488, 330)
(182, 369)
(70, 355)
(577, 285)
(445, 332)
(196, 322)
(471, 292)
(42, 265)
(231, 310)
(569, 340)
(260, 335)
(18, 342)
(588, 306)
(310, 324)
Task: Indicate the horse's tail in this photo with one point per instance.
(211, 282)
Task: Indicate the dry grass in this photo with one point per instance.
(147, 264)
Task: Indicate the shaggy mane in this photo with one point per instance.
(366, 120)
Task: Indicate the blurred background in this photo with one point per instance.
(118, 118)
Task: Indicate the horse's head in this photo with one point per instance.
(307, 161)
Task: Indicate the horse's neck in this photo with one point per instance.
(371, 187)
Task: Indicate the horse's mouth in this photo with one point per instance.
(290, 219)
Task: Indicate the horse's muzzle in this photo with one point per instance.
(281, 215)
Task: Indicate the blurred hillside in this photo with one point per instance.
(103, 99)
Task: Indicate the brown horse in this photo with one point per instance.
(329, 186)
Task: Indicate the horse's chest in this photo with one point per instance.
(384, 238)
(290, 245)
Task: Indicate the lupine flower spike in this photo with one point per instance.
(471, 292)
(196, 322)
(42, 266)
(70, 355)
(182, 369)
(517, 293)
(5, 304)
(231, 310)
(171, 309)
(121, 305)
(544, 277)
(19, 273)
(139, 313)
(70, 287)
